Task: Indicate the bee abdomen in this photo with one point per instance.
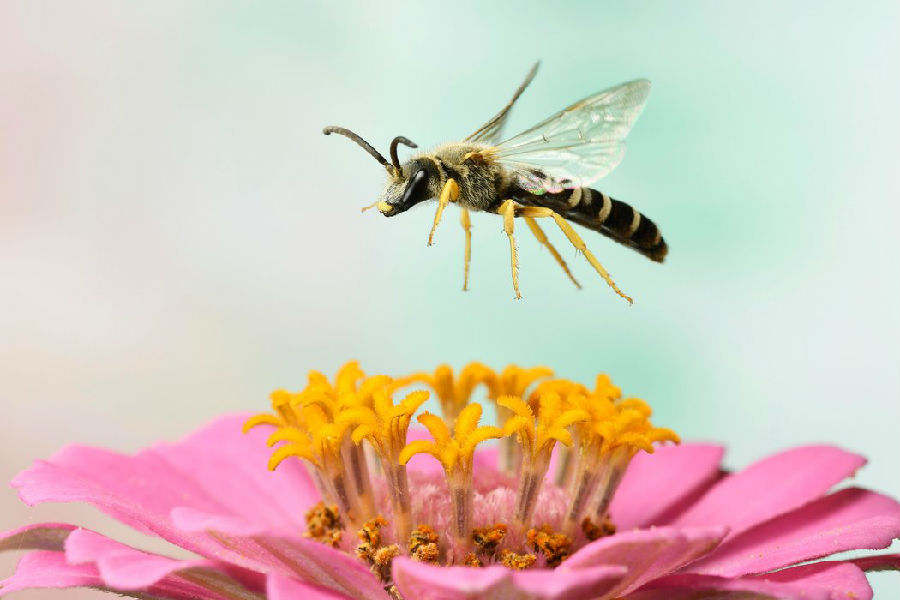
(615, 219)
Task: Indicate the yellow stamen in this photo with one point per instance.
(384, 425)
(615, 432)
(308, 426)
(512, 381)
(537, 435)
(515, 380)
(456, 454)
(454, 392)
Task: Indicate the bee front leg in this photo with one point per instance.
(508, 211)
(467, 227)
(575, 239)
(449, 193)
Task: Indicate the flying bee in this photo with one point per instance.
(544, 172)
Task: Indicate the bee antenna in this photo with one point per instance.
(356, 138)
(399, 140)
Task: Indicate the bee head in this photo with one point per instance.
(408, 184)
(415, 181)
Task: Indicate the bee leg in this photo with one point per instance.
(449, 193)
(539, 234)
(508, 212)
(575, 239)
(467, 227)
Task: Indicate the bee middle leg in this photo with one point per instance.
(507, 210)
(467, 227)
(449, 193)
(575, 240)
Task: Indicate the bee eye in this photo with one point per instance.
(416, 190)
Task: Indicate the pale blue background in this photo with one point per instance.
(177, 237)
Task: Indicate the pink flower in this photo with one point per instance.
(682, 525)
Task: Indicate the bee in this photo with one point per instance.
(544, 172)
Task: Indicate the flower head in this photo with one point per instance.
(353, 507)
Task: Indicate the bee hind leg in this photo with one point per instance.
(508, 211)
(467, 227)
(449, 193)
(542, 239)
(575, 240)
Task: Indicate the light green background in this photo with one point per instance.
(177, 238)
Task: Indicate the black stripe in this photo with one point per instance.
(645, 234)
(620, 217)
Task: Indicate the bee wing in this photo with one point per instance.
(490, 131)
(578, 145)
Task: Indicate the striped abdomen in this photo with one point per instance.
(613, 218)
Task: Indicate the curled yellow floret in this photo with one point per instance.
(539, 433)
(285, 414)
(384, 424)
(455, 451)
(454, 392)
(515, 380)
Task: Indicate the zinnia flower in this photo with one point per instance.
(583, 497)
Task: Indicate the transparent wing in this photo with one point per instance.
(578, 145)
(491, 131)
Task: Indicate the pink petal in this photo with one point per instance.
(879, 562)
(846, 520)
(657, 483)
(274, 500)
(818, 581)
(126, 568)
(291, 556)
(46, 569)
(772, 486)
(420, 581)
(283, 588)
(586, 583)
(141, 490)
(42, 536)
(646, 553)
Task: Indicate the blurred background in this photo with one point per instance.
(177, 238)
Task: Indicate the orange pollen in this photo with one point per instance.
(381, 562)
(323, 524)
(370, 539)
(472, 561)
(423, 545)
(594, 531)
(488, 538)
(554, 546)
(511, 560)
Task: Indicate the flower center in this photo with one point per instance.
(352, 435)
